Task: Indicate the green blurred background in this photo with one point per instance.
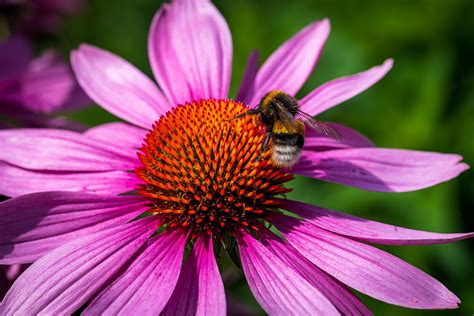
(426, 102)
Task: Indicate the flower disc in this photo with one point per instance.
(204, 170)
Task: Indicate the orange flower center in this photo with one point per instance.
(205, 171)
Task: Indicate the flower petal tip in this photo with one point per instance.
(463, 167)
(323, 26)
(450, 302)
(326, 23)
(387, 65)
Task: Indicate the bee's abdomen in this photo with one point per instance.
(288, 139)
(286, 149)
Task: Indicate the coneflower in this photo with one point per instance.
(193, 179)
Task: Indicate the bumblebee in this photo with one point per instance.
(285, 127)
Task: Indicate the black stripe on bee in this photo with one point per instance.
(288, 139)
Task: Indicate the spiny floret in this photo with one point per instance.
(204, 170)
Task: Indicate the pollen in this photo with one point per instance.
(205, 171)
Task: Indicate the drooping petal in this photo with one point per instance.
(342, 89)
(199, 290)
(343, 299)
(190, 51)
(366, 230)
(291, 64)
(15, 181)
(118, 86)
(60, 150)
(278, 288)
(247, 85)
(317, 142)
(118, 133)
(147, 284)
(380, 169)
(365, 268)
(34, 224)
(66, 278)
(15, 55)
(48, 86)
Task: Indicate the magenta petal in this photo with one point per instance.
(365, 230)
(380, 169)
(343, 299)
(365, 268)
(34, 224)
(15, 181)
(199, 290)
(118, 86)
(118, 133)
(190, 51)
(66, 278)
(278, 288)
(147, 284)
(291, 64)
(247, 85)
(316, 142)
(60, 150)
(342, 89)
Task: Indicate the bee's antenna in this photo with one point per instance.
(249, 112)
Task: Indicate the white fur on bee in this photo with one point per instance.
(285, 155)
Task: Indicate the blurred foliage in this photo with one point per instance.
(426, 102)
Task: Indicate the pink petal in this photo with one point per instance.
(35, 224)
(118, 133)
(15, 181)
(200, 290)
(365, 230)
(190, 51)
(291, 64)
(343, 299)
(118, 86)
(365, 268)
(15, 55)
(278, 288)
(60, 150)
(342, 89)
(66, 278)
(147, 284)
(316, 142)
(247, 84)
(380, 169)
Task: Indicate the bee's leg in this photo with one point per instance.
(249, 112)
(264, 146)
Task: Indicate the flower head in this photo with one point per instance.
(200, 169)
(195, 177)
(33, 91)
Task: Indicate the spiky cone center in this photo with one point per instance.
(206, 172)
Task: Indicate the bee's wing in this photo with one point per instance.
(319, 126)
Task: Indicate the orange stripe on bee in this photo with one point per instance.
(284, 128)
